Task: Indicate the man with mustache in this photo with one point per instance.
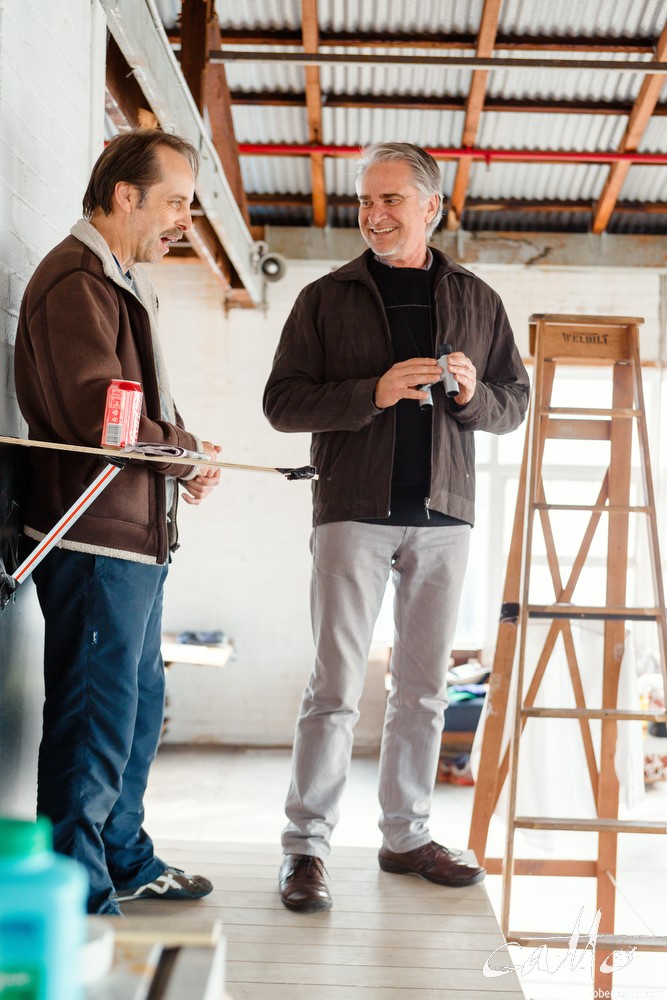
(395, 495)
(88, 316)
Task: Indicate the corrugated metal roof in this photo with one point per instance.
(375, 78)
(400, 15)
(536, 180)
(642, 20)
(523, 130)
(259, 13)
(358, 126)
(372, 78)
(514, 220)
(266, 76)
(252, 124)
(614, 18)
(276, 174)
(544, 84)
(633, 223)
(654, 139)
(645, 184)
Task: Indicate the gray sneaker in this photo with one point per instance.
(173, 883)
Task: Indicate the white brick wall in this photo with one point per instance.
(51, 128)
(51, 76)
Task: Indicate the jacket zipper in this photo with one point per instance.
(159, 483)
(373, 289)
(434, 346)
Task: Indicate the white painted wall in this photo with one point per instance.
(51, 130)
(244, 562)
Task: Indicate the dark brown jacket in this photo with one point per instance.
(334, 347)
(79, 327)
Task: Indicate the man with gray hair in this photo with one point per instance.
(392, 362)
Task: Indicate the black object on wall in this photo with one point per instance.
(14, 471)
(19, 668)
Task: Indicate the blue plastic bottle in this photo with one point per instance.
(42, 915)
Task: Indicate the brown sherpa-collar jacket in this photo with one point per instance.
(81, 325)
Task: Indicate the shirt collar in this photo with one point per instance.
(425, 266)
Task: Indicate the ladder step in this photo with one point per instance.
(588, 411)
(557, 867)
(611, 942)
(594, 825)
(593, 613)
(622, 714)
(558, 429)
(604, 508)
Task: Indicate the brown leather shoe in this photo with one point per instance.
(432, 862)
(302, 884)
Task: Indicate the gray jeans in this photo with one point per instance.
(351, 565)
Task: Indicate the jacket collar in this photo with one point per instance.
(90, 237)
(357, 269)
(143, 291)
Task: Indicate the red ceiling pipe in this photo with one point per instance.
(454, 153)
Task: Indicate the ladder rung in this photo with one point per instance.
(602, 507)
(560, 429)
(558, 867)
(600, 614)
(588, 411)
(611, 942)
(621, 714)
(595, 825)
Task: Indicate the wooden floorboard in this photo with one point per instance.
(387, 937)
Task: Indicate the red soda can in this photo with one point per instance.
(121, 414)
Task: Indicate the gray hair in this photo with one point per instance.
(425, 171)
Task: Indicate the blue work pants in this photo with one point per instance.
(103, 714)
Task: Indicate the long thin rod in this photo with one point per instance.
(191, 459)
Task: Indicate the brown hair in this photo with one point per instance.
(132, 157)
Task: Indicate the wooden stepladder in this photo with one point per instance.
(567, 341)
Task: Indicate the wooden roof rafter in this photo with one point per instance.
(199, 31)
(453, 41)
(488, 29)
(434, 102)
(200, 34)
(310, 42)
(293, 199)
(128, 108)
(640, 116)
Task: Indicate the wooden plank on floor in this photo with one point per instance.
(373, 976)
(349, 937)
(387, 937)
(271, 991)
(373, 955)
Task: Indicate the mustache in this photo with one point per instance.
(172, 234)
